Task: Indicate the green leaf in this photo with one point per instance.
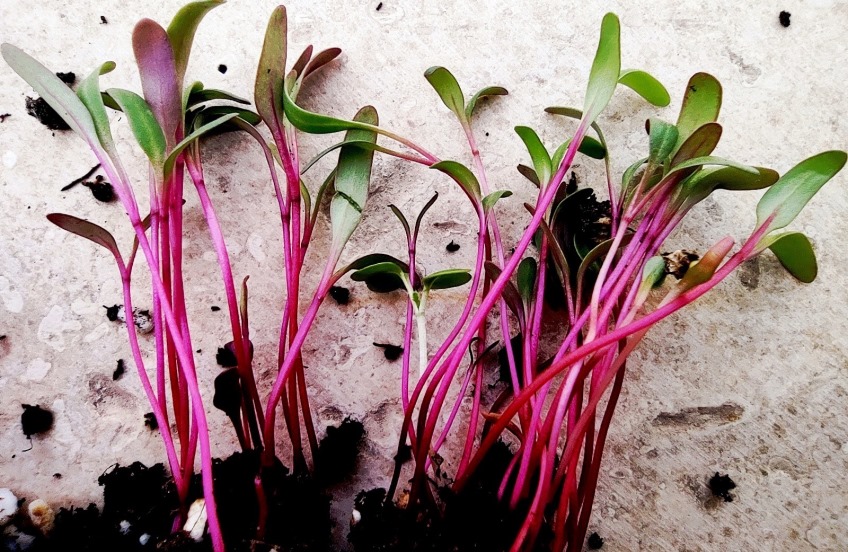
(606, 69)
(795, 253)
(87, 230)
(653, 273)
(372, 259)
(446, 86)
(646, 86)
(353, 175)
(363, 144)
(704, 182)
(420, 216)
(529, 174)
(701, 142)
(210, 114)
(56, 93)
(788, 196)
(463, 176)
(315, 123)
(713, 160)
(209, 94)
(538, 153)
(490, 200)
(89, 93)
(271, 71)
(143, 124)
(445, 279)
(188, 140)
(407, 230)
(597, 254)
(383, 277)
(182, 29)
(701, 104)
(526, 278)
(486, 92)
(662, 140)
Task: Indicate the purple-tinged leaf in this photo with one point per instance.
(159, 79)
(321, 59)
(701, 104)
(701, 142)
(301, 62)
(87, 230)
(538, 153)
(270, 74)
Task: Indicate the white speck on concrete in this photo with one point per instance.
(10, 159)
(36, 370)
(254, 246)
(12, 299)
(52, 329)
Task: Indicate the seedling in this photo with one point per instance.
(599, 263)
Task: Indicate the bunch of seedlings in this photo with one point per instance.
(590, 277)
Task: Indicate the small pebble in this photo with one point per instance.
(8, 506)
(195, 523)
(41, 515)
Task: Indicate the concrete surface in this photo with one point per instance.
(773, 348)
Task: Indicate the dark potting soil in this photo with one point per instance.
(226, 357)
(452, 247)
(100, 189)
(338, 451)
(391, 352)
(473, 520)
(784, 18)
(140, 504)
(119, 370)
(46, 115)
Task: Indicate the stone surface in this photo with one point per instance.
(772, 349)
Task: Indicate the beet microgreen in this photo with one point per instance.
(599, 263)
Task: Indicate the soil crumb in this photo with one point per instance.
(340, 294)
(226, 357)
(222, 68)
(103, 20)
(68, 78)
(35, 420)
(391, 352)
(214, 308)
(721, 485)
(784, 18)
(119, 370)
(151, 422)
(4, 116)
(452, 247)
(595, 542)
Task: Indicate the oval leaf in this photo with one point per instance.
(182, 29)
(445, 279)
(158, 72)
(538, 153)
(662, 138)
(795, 253)
(89, 93)
(271, 71)
(526, 278)
(788, 196)
(646, 85)
(143, 124)
(490, 200)
(463, 176)
(486, 92)
(701, 104)
(700, 143)
(87, 230)
(446, 86)
(606, 69)
(56, 93)
(353, 175)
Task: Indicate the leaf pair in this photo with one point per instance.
(448, 89)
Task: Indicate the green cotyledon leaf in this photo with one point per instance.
(353, 174)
